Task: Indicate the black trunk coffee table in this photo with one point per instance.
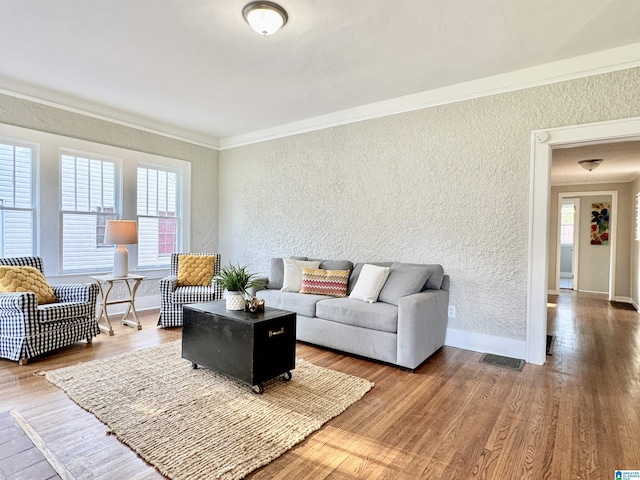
(250, 347)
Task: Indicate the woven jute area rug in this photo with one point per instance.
(192, 424)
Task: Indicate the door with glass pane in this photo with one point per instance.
(568, 244)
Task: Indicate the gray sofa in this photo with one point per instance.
(405, 326)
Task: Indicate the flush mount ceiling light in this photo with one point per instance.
(265, 17)
(590, 164)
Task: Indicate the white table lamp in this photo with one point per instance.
(121, 232)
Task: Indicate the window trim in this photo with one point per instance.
(35, 187)
(47, 191)
(118, 199)
(180, 199)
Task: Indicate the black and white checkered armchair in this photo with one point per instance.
(173, 297)
(28, 329)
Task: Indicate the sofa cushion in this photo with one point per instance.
(433, 283)
(355, 273)
(276, 272)
(404, 280)
(68, 311)
(293, 273)
(324, 282)
(437, 275)
(193, 294)
(377, 316)
(371, 280)
(336, 265)
(294, 302)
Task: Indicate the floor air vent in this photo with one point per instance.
(504, 362)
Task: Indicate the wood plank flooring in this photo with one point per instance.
(19, 457)
(578, 416)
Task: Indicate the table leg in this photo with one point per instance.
(103, 309)
(131, 307)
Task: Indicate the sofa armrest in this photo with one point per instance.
(18, 314)
(15, 301)
(252, 291)
(167, 285)
(422, 326)
(81, 292)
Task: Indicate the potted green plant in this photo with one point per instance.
(236, 280)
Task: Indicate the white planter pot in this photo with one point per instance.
(235, 301)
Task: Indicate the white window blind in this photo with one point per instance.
(158, 215)
(88, 200)
(17, 199)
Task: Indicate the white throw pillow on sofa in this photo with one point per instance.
(293, 273)
(370, 282)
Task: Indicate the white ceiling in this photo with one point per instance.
(194, 68)
(621, 163)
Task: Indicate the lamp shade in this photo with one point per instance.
(265, 17)
(590, 164)
(121, 232)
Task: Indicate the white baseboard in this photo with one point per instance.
(592, 291)
(477, 342)
(480, 342)
(634, 303)
(553, 292)
(142, 303)
(622, 299)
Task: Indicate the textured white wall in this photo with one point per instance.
(447, 184)
(593, 265)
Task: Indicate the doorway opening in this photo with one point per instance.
(580, 263)
(568, 247)
(543, 141)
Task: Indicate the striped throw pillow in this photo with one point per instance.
(325, 282)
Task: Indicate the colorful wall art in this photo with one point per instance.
(600, 223)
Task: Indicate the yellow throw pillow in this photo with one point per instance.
(195, 270)
(26, 279)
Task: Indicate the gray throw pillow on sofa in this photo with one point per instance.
(336, 265)
(276, 272)
(403, 280)
(434, 282)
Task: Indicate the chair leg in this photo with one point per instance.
(23, 361)
(89, 340)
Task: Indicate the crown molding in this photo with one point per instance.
(611, 60)
(73, 104)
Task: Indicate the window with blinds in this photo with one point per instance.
(88, 193)
(158, 215)
(17, 199)
(567, 221)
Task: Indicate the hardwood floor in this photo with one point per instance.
(578, 416)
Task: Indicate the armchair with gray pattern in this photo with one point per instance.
(28, 329)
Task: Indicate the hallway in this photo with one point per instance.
(597, 350)
(588, 327)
